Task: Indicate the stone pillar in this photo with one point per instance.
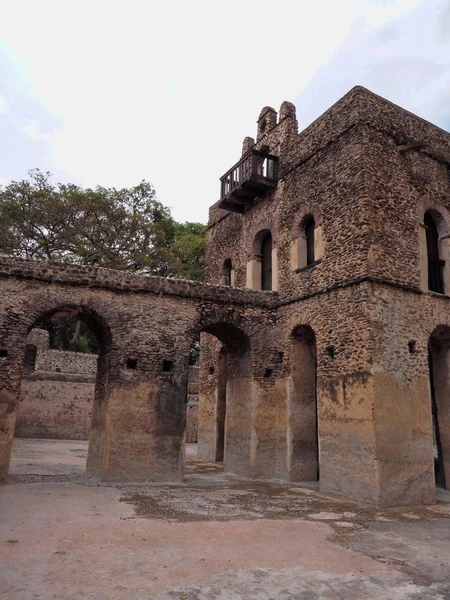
(423, 258)
(254, 274)
(11, 359)
(346, 428)
(207, 396)
(238, 426)
(145, 425)
(302, 413)
(274, 269)
(404, 470)
(295, 254)
(444, 253)
(318, 243)
(98, 433)
(441, 377)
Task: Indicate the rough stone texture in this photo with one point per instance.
(145, 326)
(192, 407)
(366, 171)
(56, 395)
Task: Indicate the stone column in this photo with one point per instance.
(11, 360)
(145, 423)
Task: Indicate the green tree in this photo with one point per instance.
(189, 247)
(126, 229)
(119, 229)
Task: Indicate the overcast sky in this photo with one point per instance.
(111, 93)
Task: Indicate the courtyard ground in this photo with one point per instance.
(64, 535)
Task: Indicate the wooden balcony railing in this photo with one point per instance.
(252, 177)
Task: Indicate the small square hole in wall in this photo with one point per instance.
(3, 353)
(280, 357)
(132, 363)
(167, 365)
(268, 373)
(211, 370)
(330, 351)
(412, 347)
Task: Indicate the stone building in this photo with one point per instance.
(57, 393)
(326, 310)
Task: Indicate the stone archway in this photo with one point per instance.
(439, 368)
(303, 427)
(19, 365)
(224, 396)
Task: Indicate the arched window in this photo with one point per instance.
(435, 264)
(266, 262)
(310, 227)
(226, 272)
(307, 244)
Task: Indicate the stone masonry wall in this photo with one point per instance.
(367, 171)
(192, 407)
(341, 348)
(56, 396)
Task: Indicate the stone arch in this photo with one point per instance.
(258, 265)
(224, 390)
(307, 244)
(227, 274)
(307, 210)
(303, 444)
(33, 312)
(439, 372)
(434, 271)
(439, 212)
(96, 323)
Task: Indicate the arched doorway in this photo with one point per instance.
(310, 227)
(303, 427)
(221, 404)
(62, 401)
(439, 372)
(224, 390)
(435, 264)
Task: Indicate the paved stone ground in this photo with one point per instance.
(64, 535)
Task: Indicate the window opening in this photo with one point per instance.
(435, 265)
(309, 234)
(266, 262)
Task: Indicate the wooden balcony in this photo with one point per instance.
(254, 176)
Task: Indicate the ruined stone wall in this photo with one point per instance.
(55, 407)
(56, 395)
(62, 361)
(145, 326)
(362, 312)
(367, 171)
(192, 406)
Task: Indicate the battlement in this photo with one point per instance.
(359, 106)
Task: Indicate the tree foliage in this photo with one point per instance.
(126, 229)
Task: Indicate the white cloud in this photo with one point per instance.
(166, 91)
(4, 106)
(33, 130)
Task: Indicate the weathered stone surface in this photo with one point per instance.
(326, 378)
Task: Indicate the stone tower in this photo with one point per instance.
(347, 226)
